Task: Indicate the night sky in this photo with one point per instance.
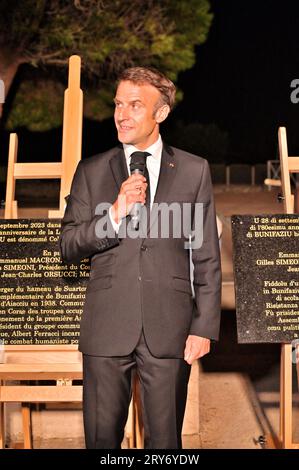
(241, 79)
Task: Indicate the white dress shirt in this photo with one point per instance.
(153, 163)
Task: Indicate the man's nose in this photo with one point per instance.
(123, 114)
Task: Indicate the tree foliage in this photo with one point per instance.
(108, 35)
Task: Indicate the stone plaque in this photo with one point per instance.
(266, 269)
(41, 299)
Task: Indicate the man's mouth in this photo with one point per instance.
(124, 128)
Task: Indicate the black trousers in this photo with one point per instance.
(107, 394)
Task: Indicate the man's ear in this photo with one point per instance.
(162, 113)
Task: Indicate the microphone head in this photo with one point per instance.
(137, 166)
(138, 161)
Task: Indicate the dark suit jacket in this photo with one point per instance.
(143, 282)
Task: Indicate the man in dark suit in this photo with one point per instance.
(140, 314)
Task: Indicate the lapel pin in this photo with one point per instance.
(171, 165)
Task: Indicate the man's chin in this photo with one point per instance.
(123, 138)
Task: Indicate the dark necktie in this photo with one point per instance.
(139, 159)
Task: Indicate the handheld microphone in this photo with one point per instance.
(137, 166)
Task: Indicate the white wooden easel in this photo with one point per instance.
(71, 149)
(59, 363)
(288, 165)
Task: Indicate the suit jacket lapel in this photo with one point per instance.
(166, 177)
(119, 167)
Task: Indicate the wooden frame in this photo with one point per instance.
(288, 165)
(71, 149)
(22, 363)
(59, 363)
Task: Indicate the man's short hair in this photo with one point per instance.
(151, 76)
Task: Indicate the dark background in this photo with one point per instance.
(241, 79)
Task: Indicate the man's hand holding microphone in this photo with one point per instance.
(132, 190)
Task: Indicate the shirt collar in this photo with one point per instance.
(155, 149)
